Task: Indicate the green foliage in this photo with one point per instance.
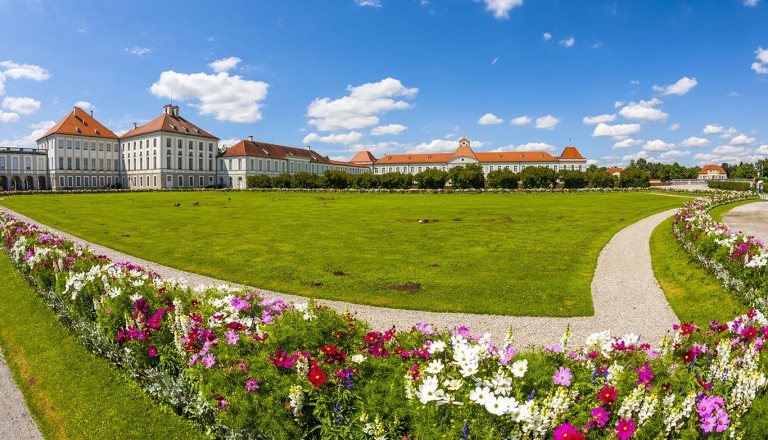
(574, 179)
(283, 180)
(307, 180)
(538, 177)
(726, 185)
(466, 177)
(634, 177)
(601, 179)
(431, 178)
(336, 179)
(743, 171)
(259, 181)
(503, 179)
(364, 180)
(396, 181)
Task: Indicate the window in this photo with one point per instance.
(77, 164)
(109, 180)
(169, 180)
(191, 181)
(61, 164)
(180, 143)
(141, 181)
(101, 181)
(86, 181)
(61, 145)
(101, 164)
(2, 163)
(191, 161)
(77, 145)
(181, 180)
(78, 182)
(210, 146)
(210, 164)
(61, 181)
(69, 163)
(200, 163)
(109, 165)
(109, 146)
(202, 181)
(85, 164)
(117, 165)
(69, 144)
(154, 162)
(180, 167)
(101, 146)
(168, 162)
(154, 142)
(239, 164)
(69, 181)
(200, 146)
(154, 180)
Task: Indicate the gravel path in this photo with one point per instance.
(750, 219)
(626, 296)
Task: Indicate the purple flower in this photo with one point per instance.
(209, 361)
(232, 337)
(563, 376)
(645, 374)
(600, 415)
(251, 384)
(152, 352)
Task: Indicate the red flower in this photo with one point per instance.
(689, 356)
(317, 377)
(749, 332)
(607, 395)
(372, 337)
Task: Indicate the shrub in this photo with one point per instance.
(574, 179)
(336, 179)
(634, 177)
(601, 179)
(259, 181)
(396, 181)
(503, 179)
(467, 177)
(538, 177)
(726, 185)
(431, 179)
(364, 181)
(284, 180)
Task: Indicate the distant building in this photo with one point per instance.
(23, 169)
(569, 159)
(250, 158)
(712, 172)
(614, 171)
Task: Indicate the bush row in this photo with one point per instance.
(728, 186)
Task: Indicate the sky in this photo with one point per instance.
(663, 80)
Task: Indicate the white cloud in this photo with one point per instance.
(643, 111)
(695, 142)
(343, 138)
(751, 3)
(761, 65)
(615, 130)
(8, 117)
(618, 104)
(635, 82)
(657, 145)
(371, 3)
(25, 106)
(360, 107)
(598, 119)
(548, 122)
(742, 139)
(224, 64)
(501, 8)
(635, 156)
(731, 132)
(521, 120)
(495, 60)
(568, 42)
(28, 141)
(489, 119)
(530, 146)
(229, 98)
(729, 149)
(547, 36)
(673, 154)
(388, 129)
(436, 146)
(674, 127)
(138, 51)
(712, 129)
(762, 150)
(226, 143)
(26, 71)
(377, 149)
(85, 105)
(681, 87)
(627, 143)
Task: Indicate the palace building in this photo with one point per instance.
(569, 159)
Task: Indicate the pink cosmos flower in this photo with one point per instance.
(566, 431)
(600, 415)
(209, 361)
(152, 352)
(251, 384)
(625, 428)
(562, 377)
(232, 337)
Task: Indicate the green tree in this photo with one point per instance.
(365, 180)
(601, 179)
(469, 176)
(282, 181)
(307, 180)
(503, 179)
(336, 179)
(574, 179)
(634, 177)
(396, 181)
(431, 178)
(259, 181)
(538, 177)
(744, 171)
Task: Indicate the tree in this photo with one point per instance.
(282, 181)
(573, 179)
(503, 179)
(396, 180)
(601, 179)
(259, 181)
(634, 177)
(336, 179)
(431, 178)
(365, 180)
(744, 171)
(469, 176)
(307, 180)
(538, 177)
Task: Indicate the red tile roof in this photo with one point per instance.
(171, 124)
(571, 152)
(348, 164)
(363, 156)
(79, 122)
(706, 168)
(273, 151)
(414, 158)
(614, 170)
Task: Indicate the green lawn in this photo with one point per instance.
(514, 254)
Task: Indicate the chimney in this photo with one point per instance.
(250, 138)
(309, 148)
(74, 112)
(91, 113)
(134, 126)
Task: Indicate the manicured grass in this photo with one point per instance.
(693, 292)
(512, 254)
(71, 393)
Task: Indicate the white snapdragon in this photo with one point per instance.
(296, 396)
(632, 403)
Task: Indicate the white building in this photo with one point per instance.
(569, 159)
(168, 152)
(82, 153)
(23, 169)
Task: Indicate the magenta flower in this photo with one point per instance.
(563, 377)
(232, 337)
(645, 374)
(251, 384)
(152, 352)
(624, 429)
(282, 359)
(566, 431)
(209, 361)
(600, 415)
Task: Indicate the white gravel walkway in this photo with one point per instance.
(15, 421)
(750, 219)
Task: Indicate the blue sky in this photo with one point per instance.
(667, 80)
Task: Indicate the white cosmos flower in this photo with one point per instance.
(357, 358)
(480, 395)
(453, 384)
(496, 405)
(436, 347)
(519, 368)
(427, 392)
(435, 367)
(468, 368)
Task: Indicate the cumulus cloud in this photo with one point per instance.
(643, 111)
(635, 156)
(681, 87)
(530, 146)
(436, 146)
(568, 42)
(224, 64)
(226, 143)
(521, 120)
(627, 143)
(29, 141)
(25, 71)
(489, 119)
(228, 98)
(673, 154)
(603, 129)
(694, 141)
(712, 129)
(377, 149)
(138, 51)
(590, 120)
(751, 3)
(761, 65)
(729, 149)
(388, 129)
(547, 122)
(342, 138)
(8, 117)
(360, 108)
(742, 139)
(371, 3)
(547, 36)
(731, 132)
(657, 145)
(25, 106)
(674, 127)
(501, 8)
(762, 150)
(618, 104)
(85, 105)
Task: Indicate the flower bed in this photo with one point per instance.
(739, 261)
(248, 366)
